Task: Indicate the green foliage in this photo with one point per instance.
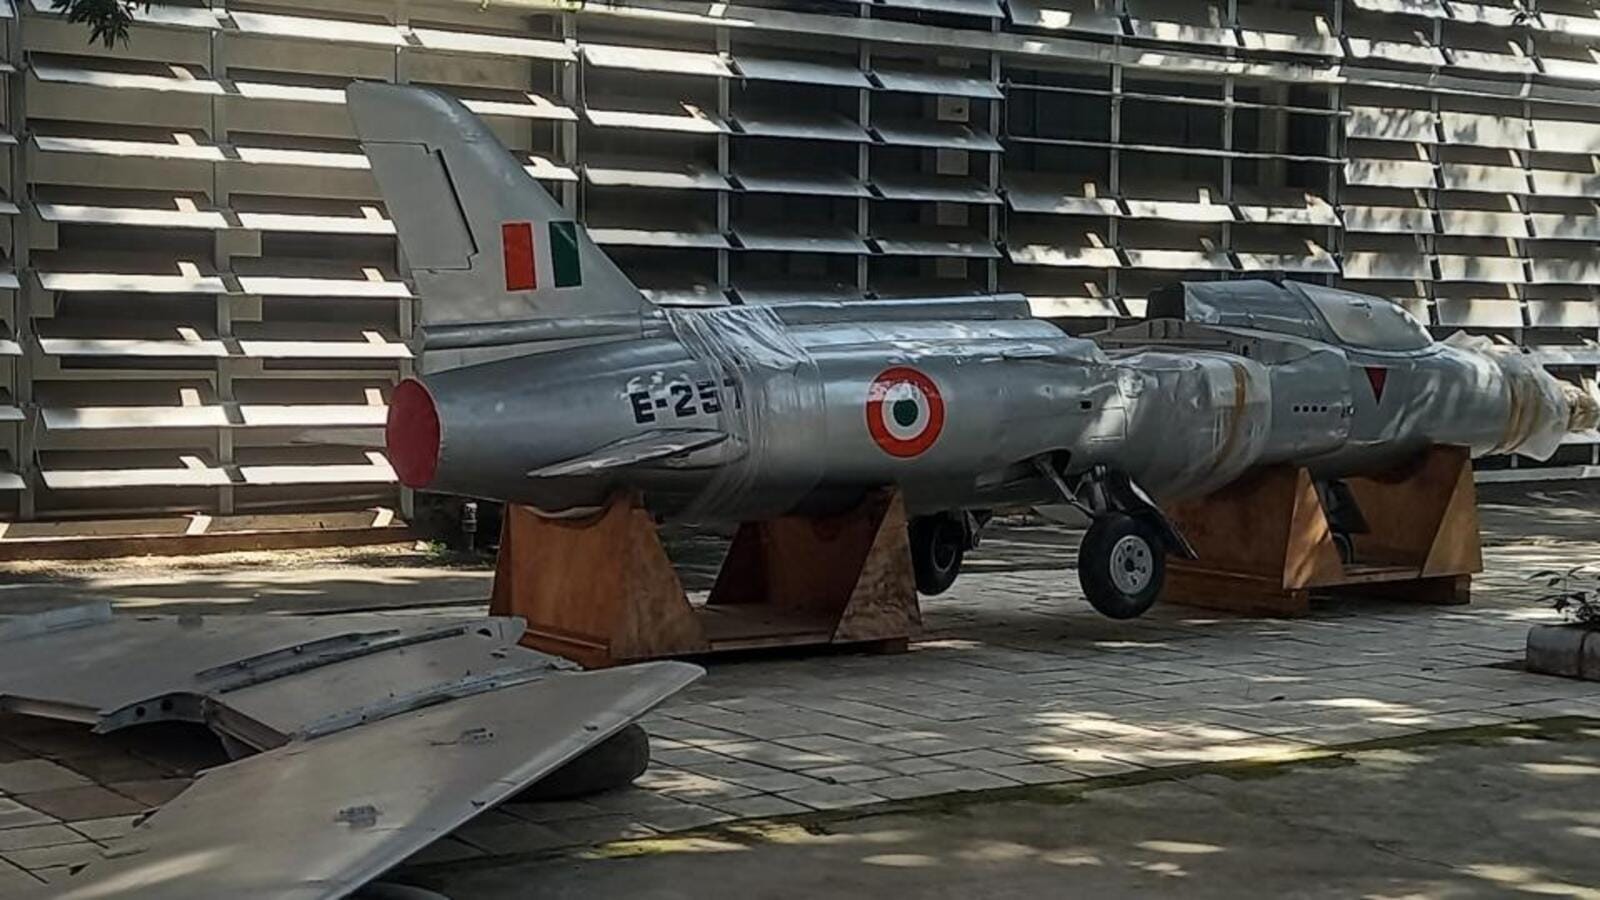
(108, 20)
(1575, 593)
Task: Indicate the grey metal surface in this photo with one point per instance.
(527, 331)
(953, 401)
(315, 820)
(261, 680)
(650, 446)
(1356, 383)
(462, 185)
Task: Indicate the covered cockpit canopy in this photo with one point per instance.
(1343, 318)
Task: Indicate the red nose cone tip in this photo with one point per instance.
(412, 434)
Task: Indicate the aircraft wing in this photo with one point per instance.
(650, 446)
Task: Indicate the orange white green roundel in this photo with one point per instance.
(905, 412)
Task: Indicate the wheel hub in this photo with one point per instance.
(946, 546)
(1132, 564)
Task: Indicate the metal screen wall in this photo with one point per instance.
(208, 305)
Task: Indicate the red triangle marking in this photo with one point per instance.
(1378, 376)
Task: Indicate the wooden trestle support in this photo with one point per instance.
(1265, 545)
(601, 590)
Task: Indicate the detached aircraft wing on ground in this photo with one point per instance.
(359, 739)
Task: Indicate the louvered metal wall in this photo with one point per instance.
(208, 305)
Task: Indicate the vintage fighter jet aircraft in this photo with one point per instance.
(966, 405)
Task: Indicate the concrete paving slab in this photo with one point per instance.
(15, 878)
(759, 807)
(32, 775)
(107, 829)
(916, 765)
(682, 817)
(36, 858)
(598, 829)
(53, 874)
(509, 835)
(1014, 681)
(848, 774)
(31, 836)
(85, 802)
(446, 850)
(832, 796)
(18, 815)
(152, 792)
(1484, 818)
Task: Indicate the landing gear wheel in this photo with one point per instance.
(1121, 565)
(938, 544)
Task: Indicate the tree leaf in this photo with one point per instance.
(108, 20)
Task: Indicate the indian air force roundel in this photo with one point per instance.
(905, 412)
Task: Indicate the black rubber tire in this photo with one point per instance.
(1346, 547)
(938, 545)
(1094, 566)
(613, 763)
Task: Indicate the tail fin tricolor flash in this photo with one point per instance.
(485, 242)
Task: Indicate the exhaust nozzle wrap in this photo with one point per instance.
(1541, 408)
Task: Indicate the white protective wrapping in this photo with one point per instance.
(747, 349)
(1542, 408)
(1196, 420)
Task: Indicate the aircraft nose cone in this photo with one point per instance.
(411, 434)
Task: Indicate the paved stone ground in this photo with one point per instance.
(1499, 815)
(1016, 682)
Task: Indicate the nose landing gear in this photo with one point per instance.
(1122, 562)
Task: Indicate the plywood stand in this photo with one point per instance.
(601, 590)
(1265, 546)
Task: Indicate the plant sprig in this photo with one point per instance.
(108, 20)
(1574, 592)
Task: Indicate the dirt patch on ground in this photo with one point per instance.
(408, 554)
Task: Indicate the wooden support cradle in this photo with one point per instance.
(601, 590)
(1265, 546)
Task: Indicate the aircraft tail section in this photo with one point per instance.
(485, 242)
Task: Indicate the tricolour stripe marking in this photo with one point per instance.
(516, 240)
(564, 254)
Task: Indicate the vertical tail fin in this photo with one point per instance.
(484, 241)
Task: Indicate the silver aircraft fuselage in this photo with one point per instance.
(754, 411)
(796, 408)
(1182, 409)
(963, 405)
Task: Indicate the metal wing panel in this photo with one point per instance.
(121, 661)
(318, 819)
(260, 679)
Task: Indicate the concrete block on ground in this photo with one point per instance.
(1571, 651)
